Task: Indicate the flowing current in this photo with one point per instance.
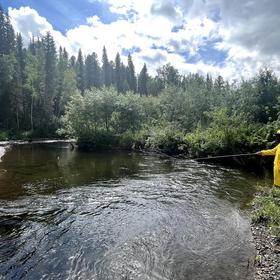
(73, 215)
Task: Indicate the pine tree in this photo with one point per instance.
(49, 79)
(7, 70)
(80, 73)
(125, 86)
(89, 72)
(142, 81)
(209, 82)
(105, 68)
(131, 78)
(96, 71)
(118, 77)
(61, 68)
(2, 31)
(9, 43)
(18, 80)
(73, 61)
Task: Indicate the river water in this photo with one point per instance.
(73, 215)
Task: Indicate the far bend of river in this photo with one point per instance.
(121, 215)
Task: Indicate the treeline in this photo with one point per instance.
(45, 92)
(36, 82)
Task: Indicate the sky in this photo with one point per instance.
(230, 38)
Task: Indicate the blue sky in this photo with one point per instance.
(233, 38)
(67, 14)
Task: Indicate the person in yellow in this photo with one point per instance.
(276, 166)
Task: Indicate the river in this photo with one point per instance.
(66, 214)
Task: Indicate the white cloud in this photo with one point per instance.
(248, 32)
(29, 23)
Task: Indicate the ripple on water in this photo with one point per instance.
(176, 223)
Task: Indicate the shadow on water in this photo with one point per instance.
(72, 215)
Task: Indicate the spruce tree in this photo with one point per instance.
(89, 72)
(105, 68)
(96, 71)
(131, 78)
(118, 77)
(142, 81)
(80, 73)
(49, 79)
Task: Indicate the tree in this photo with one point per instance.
(49, 79)
(7, 70)
(62, 67)
(269, 92)
(142, 81)
(209, 82)
(96, 71)
(131, 78)
(105, 68)
(118, 75)
(18, 81)
(89, 72)
(169, 75)
(80, 72)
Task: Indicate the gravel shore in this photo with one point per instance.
(267, 262)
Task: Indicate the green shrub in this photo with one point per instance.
(166, 139)
(98, 140)
(4, 136)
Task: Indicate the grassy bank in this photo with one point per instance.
(267, 210)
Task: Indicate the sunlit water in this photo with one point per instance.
(72, 215)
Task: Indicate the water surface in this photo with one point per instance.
(73, 215)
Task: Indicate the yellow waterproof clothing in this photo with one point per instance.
(276, 166)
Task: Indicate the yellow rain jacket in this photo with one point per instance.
(276, 166)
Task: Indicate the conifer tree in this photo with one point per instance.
(142, 81)
(105, 68)
(118, 78)
(80, 72)
(49, 79)
(96, 71)
(131, 78)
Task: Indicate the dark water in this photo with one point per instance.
(121, 216)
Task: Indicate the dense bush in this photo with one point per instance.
(197, 117)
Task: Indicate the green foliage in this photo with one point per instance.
(166, 139)
(4, 136)
(227, 133)
(97, 140)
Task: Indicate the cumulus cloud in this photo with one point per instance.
(175, 31)
(29, 23)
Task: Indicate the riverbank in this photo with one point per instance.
(37, 141)
(266, 234)
(2, 152)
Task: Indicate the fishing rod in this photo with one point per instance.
(224, 156)
(200, 158)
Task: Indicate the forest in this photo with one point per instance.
(46, 93)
